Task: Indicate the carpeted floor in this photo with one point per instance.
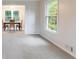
(16, 45)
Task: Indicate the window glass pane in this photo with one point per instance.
(7, 15)
(16, 15)
(52, 9)
(52, 22)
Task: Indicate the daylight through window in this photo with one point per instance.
(52, 11)
(11, 14)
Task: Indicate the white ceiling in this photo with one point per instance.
(21, 0)
(13, 0)
(17, 2)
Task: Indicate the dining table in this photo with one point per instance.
(11, 24)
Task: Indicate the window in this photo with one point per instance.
(7, 15)
(16, 15)
(52, 11)
(11, 14)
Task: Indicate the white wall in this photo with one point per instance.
(31, 13)
(35, 22)
(65, 38)
(20, 8)
(32, 20)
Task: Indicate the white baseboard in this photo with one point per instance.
(72, 54)
(64, 49)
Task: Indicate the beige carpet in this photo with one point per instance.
(17, 45)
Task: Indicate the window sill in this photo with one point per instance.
(52, 31)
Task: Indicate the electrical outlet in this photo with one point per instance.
(71, 49)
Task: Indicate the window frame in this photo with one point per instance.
(6, 15)
(12, 14)
(46, 16)
(17, 16)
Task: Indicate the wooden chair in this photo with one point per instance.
(4, 26)
(19, 26)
